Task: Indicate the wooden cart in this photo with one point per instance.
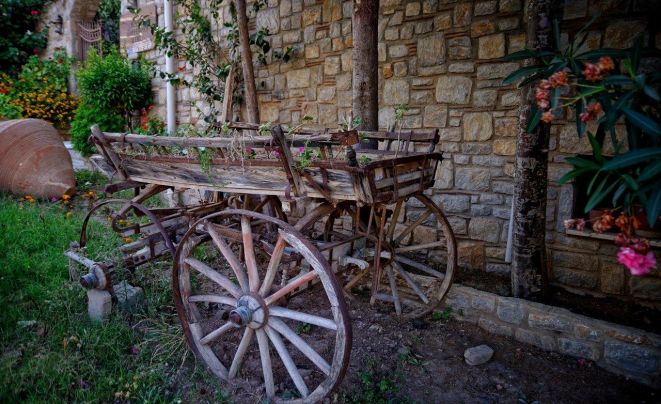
(244, 271)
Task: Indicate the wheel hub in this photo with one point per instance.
(250, 311)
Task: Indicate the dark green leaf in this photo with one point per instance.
(653, 206)
(533, 119)
(652, 93)
(618, 194)
(581, 162)
(630, 181)
(597, 53)
(573, 174)
(644, 122)
(632, 157)
(650, 171)
(580, 125)
(522, 72)
(556, 33)
(596, 148)
(617, 80)
(599, 194)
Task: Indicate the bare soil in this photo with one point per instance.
(422, 361)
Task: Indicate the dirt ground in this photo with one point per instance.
(423, 362)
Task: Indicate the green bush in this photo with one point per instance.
(113, 83)
(86, 116)
(20, 37)
(111, 88)
(8, 110)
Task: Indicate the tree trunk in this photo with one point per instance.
(365, 63)
(246, 62)
(529, 267)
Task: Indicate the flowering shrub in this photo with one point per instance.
(40, 91)
(85, 117)
(607, 88)
(150, 124)
(8, 110)
(20, 38)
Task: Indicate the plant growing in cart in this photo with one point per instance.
(606, 90)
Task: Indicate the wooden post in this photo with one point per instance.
(246, 62)
(365, 92)
(529, 270)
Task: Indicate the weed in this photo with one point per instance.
(444, 315)
(303, 328)
(87, 180)
(376, 386)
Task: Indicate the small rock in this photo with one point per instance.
(129, 298)
(478, 355)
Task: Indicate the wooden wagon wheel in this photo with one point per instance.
(225, 304)
(418, 277)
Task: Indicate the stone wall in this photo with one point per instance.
(72, 12)
(623, 350)
(444, 59)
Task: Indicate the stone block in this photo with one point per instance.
(311, 51)
(391, 34)
(646, 287)
(581, 261)
(540, 340)
(484, 302)
(398, 51)
(621, 34)
(396, 92)
(412, 9)
(510, 310)
(491, 46)
(99, 304)
(483, 27)
(613, 277)
(516, 42)
(269, 18)
(496, 70)
(573, 277)
(462, 14)
(396, 19)
(400, 69)
(484, 98)
(453, 89)
(423, 97)
(444, 175)
(579, 349)
(478, 355)
(470, 254)
(431, 50)
(508, 23)
(551, 322)
(443, 21)
(129, 298)
(509, 99)
(454, 203)
(332, 65)
(480, 210)
(504, 147)
(494, 327)
(462, 67)
(509, 6)
(633, 358)
(435, 116)
(506, 127)
(485, 7)
(311, 15)
(473, 178)
(478, 126)
(298, 78)
(585, 331)
(485, 229)
(459, 48)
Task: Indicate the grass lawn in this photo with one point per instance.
(50, 351)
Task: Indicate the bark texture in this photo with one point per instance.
(246, 62)
(365, 94)
(529, 261)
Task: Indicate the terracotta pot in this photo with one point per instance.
(33, 159)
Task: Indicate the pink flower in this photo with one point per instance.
(301, 149)
(276, 154)
(34, 12)
(580, 224)
(637, 263)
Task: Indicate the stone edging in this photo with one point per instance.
(623, 350)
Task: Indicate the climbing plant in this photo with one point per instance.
(205, 35)
(20, 37)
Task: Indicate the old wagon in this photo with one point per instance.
(288, 225)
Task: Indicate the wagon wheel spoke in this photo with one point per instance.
(416, 288)
(249, 254)
(287, 361)
(411, 226)
(273, 265)
(214, 275)
(300, 344)
(227, 252)
(323, 322)
(248, 335)
(213, 299)
(213, 335)
(393, 288)
(292, 285)
(393, 223)
(265, 357)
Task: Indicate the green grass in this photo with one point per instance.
(60, 355)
